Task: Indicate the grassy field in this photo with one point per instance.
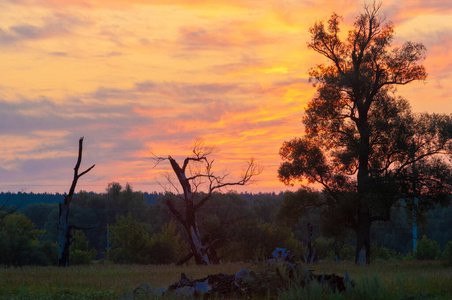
(388, 280)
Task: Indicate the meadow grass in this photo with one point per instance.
(381, 280)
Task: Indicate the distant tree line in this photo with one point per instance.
(141, 228)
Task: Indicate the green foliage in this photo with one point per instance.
(324, 248)
(19, 243)
(270, 279)
(360, 139)
(263, 207)
(129, 241)
(50, 251)
(80, 253)
(313, 291)
(409, 256)
(166, 246)
(97, 210)
(447, 254)
(255, 240)
(381, 253)
(45, 216)
(20, 225)
(427, 249)
(347, 252)
(371, 288)
(296, 204)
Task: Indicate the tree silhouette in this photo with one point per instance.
(64, 229)
(361, 141)
(196, 175)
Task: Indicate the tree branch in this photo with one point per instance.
(77, 166)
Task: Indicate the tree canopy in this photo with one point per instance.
(362, 143)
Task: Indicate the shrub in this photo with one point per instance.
(427, 249)
(447, 254)
(409, 256)
(19, 243)
(324, 248)
(50, 250)
(166, 246)
(257, 240)
(80, 253)
(130, 242)
(380, 253)
(347, 252)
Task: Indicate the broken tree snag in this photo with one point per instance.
(198, 181)
(64, 229)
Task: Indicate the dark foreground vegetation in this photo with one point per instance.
(388, 280)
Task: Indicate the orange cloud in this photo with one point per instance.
(136, 77)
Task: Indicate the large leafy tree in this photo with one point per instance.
(363, 144)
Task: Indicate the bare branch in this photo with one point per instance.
(77, 166)
(200, 174)
(217, 182)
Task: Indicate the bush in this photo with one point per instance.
(257, 240)
(50, 250)
(447, 254)
(166, 246)
(427, 249)
(80, 253)
(131, 243)
(379, 253)
(19, 243)
(347, 252)
(324, 248)
(129, 240)
(409, 256)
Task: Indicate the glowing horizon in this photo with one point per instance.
(141, 76)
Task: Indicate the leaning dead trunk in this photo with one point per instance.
(189, 221)
(200, 248)
(64, 229)
(197, 248)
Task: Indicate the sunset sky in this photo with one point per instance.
(141, 76)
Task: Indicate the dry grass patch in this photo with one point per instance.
(387, 280)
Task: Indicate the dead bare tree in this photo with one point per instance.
(64, 229)
(196, 175)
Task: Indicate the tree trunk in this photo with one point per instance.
(64, 235)
(310, 252)
(194, 237)
(362, 254)
(364, 218)
(189, 222)
(197, 248)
